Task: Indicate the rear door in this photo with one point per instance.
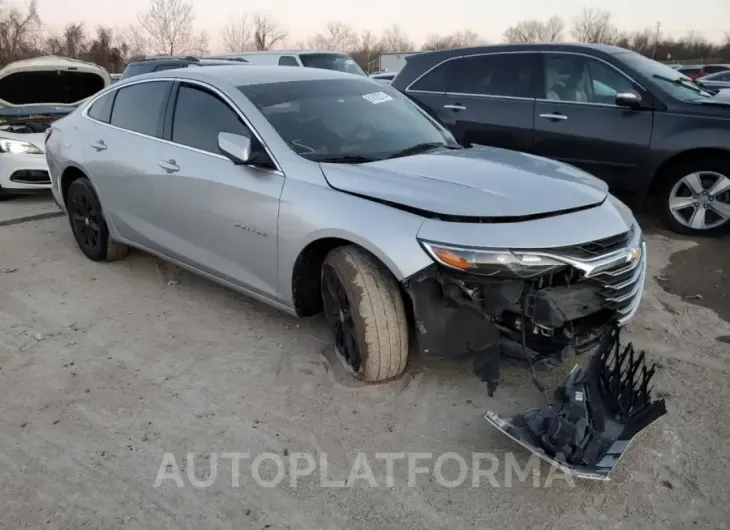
(577, 121)
(216, 216)
(484, 99)
(120, 152)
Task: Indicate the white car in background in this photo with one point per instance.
(33, 94)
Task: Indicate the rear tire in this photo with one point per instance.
(364, 308)
(88, 224)
(675, 188)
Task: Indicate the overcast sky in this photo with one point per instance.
(419, 18)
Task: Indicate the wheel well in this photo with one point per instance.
(67, 177)
(680, 159)
(306, 277)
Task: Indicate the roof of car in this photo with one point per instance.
(239, 75)
(180, 60)
(527, 46)
(279, 52)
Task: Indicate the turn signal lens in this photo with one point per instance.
(449, 258)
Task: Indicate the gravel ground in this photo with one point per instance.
(105, 368)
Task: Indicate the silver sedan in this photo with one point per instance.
(315, 190)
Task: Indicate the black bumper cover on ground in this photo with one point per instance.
(594, 415)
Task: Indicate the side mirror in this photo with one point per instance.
(628, 99)
(236, 147)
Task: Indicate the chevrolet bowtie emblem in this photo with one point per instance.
(634, 255)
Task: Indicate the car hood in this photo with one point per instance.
(50, 80)
(481, 182)
(722, 98)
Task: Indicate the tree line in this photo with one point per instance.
(168, 27)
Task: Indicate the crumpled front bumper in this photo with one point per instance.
(593, 416)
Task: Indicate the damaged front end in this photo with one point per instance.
(593, 416)
(528, 305)
(535, 306)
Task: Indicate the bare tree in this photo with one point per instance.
(238, 35)
(396, 41)
(266, 33)
(20, 32)
(168, 26)
(460, 39)
(337, 36)
(550, 30)
(369, 48)
(594, 25)
(134, 41)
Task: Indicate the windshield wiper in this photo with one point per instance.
(679, 81)
(345, 159)
(420, 148)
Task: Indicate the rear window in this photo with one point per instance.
(687, 71)
(714, 68)
(133, 69)
(332, 61)
(161, 67)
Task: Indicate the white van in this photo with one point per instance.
(308, 59)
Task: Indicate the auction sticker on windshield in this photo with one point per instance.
(377, 97)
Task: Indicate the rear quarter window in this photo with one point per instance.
(101, 109)
(140, 108)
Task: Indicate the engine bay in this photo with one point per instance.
(27, 124)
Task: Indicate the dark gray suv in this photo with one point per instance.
(641, 126)
(169, 62)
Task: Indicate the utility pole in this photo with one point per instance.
(656, 39)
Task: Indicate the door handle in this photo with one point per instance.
(169, 165)
(554, 116)
(99, 146)
(455, 107)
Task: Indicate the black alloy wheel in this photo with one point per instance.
(338, 312)
(88, 223)
(85, 223)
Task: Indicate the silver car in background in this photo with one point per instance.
(315, 190)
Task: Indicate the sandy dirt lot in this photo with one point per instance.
(105, 368)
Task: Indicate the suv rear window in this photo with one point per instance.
(331, 61)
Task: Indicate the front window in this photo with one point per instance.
(666, 78)
(578, 78)
(346, 120)
(331, 61)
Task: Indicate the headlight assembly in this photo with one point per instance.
(18, 147)
(491, 262)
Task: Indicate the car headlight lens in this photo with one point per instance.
(493, 262)
(18, 147)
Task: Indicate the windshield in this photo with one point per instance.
(331, 61)
(346, 120)
(666, 78)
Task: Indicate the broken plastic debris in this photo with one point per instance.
(594, 415)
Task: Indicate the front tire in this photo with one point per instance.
(694, 197)
(364, 308)
(88, 224)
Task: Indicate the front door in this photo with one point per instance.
(212, 214)
(577, 121)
